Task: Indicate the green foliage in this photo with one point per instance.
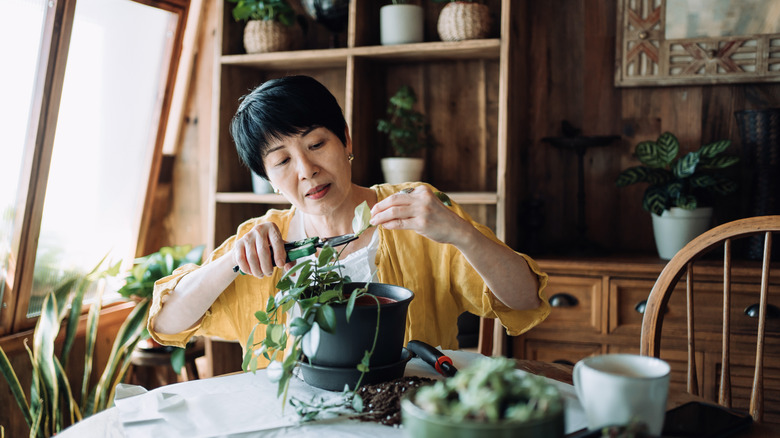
(265, 10)
(453, 1)
(406, 128)
(52, 405)
(139, 282)
(490, 391)
(319, 285)
(679, 181)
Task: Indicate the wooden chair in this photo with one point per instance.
(682, 263)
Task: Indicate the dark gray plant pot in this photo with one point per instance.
(344, 347)
(334, 379)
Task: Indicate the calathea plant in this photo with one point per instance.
(406, 128)
(318, 285)
(679, 181)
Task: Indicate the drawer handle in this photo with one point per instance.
(641, 306)
(563, 300)
(772, 311)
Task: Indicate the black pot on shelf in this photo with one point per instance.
(760, 134)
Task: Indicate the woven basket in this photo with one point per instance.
(464, 21)
(262, 36)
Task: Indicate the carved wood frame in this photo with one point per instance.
(644, 57)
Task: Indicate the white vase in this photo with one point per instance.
(677, 226)
(400, 24)
(261, 185)
(401, 170)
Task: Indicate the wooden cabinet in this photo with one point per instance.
(469, 90)
(597, 307)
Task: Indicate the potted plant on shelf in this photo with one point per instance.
(408, 134)
(139, 285)
(401, 22)
(328, 326)
(271, 25)
(463, 20)
(487, 399)
(680, 188)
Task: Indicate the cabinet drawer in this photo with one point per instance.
(628, 296)
(576, 304)
(744, 296)
(559, 352)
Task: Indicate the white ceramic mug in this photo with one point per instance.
(621, 389)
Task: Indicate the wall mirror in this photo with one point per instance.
(681, 42)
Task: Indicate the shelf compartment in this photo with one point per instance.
(328, 58)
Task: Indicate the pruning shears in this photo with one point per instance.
(309, 245)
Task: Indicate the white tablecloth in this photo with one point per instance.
(245, 405)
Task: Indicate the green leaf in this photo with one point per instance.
(89, 350)
(299, 327)
(177, 359)
(721, 162)
(46, 331)
(328, 296)
(326, 318)
(64, 389)
(686, 166)
(362, 217)
(351, 304)
(326, 255)
(15, 386)
(261, 317)
(655, 200)
(687, 202)
(275, 332)
(703, 180)
(713, 149)
(723, 186)
(357, 403)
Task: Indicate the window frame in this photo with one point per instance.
(38, 147)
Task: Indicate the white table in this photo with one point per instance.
(245, 405)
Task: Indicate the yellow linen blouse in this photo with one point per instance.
(444, 283)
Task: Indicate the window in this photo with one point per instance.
(95, 77)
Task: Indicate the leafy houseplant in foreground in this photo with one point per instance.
(487, 398)
(318, 286)
(52, 405)
(679, 181)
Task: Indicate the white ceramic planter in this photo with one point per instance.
(400, 170)
(677, 226)
(400, 24)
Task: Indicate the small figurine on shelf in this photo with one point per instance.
(271, 25)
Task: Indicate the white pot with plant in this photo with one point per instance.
(681, 190)
(271, 25)
(463, 20)
(401, 23)
(408, 134)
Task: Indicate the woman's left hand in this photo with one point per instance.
(420, 211)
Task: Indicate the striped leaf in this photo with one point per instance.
(655, 200)
(703, 180)
(686, 166)
(37, 398)
(76, 304)
(713, 149)
(46, 331)
(15, 386)
(724, 186)
(89, 349)
(67, 394)
(721, 162)
(687, 202)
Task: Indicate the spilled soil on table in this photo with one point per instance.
(382, 401)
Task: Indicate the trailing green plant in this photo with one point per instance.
(676, 181)
(406, 127)
(139, 281)
(264, 10)
(490, 391)
(53, 405)
(319, 285)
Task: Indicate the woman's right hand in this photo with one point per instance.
(260, 250)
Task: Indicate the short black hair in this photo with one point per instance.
(279, 108)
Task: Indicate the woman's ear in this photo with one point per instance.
(348, 144)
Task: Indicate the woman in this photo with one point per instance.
(292, 132)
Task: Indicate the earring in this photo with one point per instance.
(350, 157)
(276, 191)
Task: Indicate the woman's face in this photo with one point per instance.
(312, 170)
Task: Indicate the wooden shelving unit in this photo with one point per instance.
(466, 88)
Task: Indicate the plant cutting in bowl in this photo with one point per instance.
(318, 286)
(486, 398)
(679, 181)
